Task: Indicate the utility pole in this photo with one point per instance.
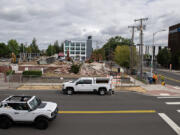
(131, 48)
(141, 43)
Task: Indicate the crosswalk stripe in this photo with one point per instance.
(173, 103)
(170, 122)
(178, 111)
(167, 97)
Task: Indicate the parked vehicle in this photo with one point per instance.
(101, 86)
(26, 109)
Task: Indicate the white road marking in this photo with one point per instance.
(167, 97)
(170, 122)
(164, 94)
(173, 103)
(178, 111)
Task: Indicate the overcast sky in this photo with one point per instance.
(50, 20)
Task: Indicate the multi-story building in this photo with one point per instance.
(174, 38)
(78, 50)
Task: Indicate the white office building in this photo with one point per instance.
(78, 50)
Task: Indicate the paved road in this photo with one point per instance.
(171, 78)
(102, 124)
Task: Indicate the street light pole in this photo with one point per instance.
(153, 50)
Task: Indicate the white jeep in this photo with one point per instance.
(26, 109)
(89, 84)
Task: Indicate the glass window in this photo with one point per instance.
(77, 44)
(71, 52)
(78, 52)
(87, 81)
(72, 44)
(18, 106)
(72, 48)
(83, 44)
(83, 52)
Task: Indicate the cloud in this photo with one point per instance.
(50, 20)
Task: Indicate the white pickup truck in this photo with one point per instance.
(26, 109)
(89, 84)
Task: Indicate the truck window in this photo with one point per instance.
(18, 106)
(102, 80)
(87, 82)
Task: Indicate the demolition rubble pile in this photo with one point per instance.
(63, 68)
(94, 69)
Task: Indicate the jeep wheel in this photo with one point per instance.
(69, 91)
(5, 122)
(41, 123)
(102, 92)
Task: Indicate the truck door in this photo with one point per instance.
(84, 85)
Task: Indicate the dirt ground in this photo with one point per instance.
(131, 88)
(40, 87)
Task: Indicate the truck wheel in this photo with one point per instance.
(41, 123)
(69, 91)
(5, 122)
(102, 92)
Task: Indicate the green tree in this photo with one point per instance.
(164, 57)
(122, 56)
(56, 46)
(50, 50)
(4, 50)
(111, 45)
(98, 54)
(13, 46)
(175, 61)
(34, 47)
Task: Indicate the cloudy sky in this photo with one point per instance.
(50, 20)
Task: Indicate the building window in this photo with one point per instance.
(72, 44)
(82, 48)
(82, 52)
(67, 48)
(77, 44)
(72, 48)
(83, 44)
(77, 48)
(77, 52)
(71, 52)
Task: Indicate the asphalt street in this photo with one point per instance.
(126, 123)
(170, 77)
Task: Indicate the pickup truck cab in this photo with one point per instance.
(88, 84)
(26, 109)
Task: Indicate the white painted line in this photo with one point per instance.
(164, 94)
(170, 122)
(178, 111)
(173, 103)
(167, 97)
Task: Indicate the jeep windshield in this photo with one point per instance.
(35, 103)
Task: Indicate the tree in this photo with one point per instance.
(175, 61)
(122, 56)
(111, 45)
(34, 46)
(4, 50)
(164, 57)
(50, 50)
(13, 46)
(98, 54)
(56, 46)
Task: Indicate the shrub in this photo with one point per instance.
(75, 68)
(10, 72)
(32, 73)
